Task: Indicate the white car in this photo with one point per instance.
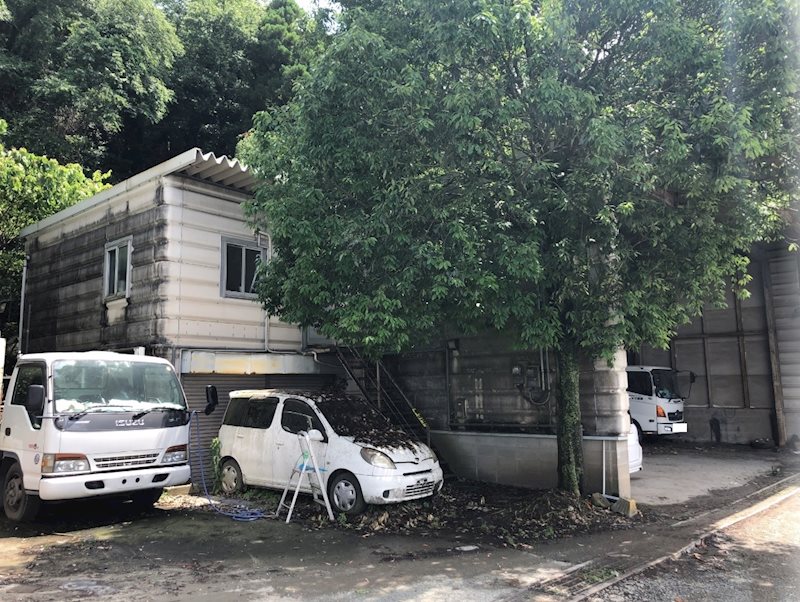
(363, 460)
(634, 449)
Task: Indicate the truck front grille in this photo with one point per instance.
(128, 461)
(675, 416)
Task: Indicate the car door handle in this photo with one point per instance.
(278, 444)
(240, 436)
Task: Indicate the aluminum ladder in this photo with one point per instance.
(306, 466)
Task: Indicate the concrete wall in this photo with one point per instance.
(494, 421)
(528, 460)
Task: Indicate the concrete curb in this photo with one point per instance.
(715, 528)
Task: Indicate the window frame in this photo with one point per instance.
(115, 246)
(245, 245)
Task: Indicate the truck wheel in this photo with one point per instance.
(18, 505)
(345, 495)
(145, 499)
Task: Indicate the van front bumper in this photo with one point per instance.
(111, 483)
(392, 488)
(668, 428)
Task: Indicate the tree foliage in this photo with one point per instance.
(33, 187)
(581, 174)
(241, 56)
(71, 71)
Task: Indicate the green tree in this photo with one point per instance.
(581, 174)
(32, 187)
(71, 71)
(241, 56)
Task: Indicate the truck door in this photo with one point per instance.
(642, 405)
(22, 431)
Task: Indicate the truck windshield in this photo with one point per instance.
(666, 384)
(81, 385)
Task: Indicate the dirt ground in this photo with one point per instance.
(473, 542)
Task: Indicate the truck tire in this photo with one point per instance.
(18, 505)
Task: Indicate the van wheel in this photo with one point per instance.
(145, 499)
(230, 477)
(345, 495)
(18, 505)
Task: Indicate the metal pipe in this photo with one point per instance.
(22, 302)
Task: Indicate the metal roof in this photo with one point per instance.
(194, 164)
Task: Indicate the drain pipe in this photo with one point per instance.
(22, 303)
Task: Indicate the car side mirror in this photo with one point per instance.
(692, 377)
(212, 399)
(315, 435)
(34, 403)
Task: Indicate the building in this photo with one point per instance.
(165, 261)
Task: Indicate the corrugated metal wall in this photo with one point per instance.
(784, 270)
(195, 387)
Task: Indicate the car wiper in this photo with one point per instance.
(154, 409)
(83, 413)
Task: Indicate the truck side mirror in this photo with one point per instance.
(34, 403)
(211, 399)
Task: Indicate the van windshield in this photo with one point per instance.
(353, 417)
(95, 385)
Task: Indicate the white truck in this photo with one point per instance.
(82, 425)
(656, 395)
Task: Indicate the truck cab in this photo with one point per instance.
(656, 396)
(79, 425)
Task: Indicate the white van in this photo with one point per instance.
(656, 395)
(363, 460)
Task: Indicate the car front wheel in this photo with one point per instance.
(345, 495)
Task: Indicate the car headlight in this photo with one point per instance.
(175, 454)
(376, 458)
(64, 463)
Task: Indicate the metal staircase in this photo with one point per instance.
(379, 387)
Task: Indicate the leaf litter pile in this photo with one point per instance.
(494, 514)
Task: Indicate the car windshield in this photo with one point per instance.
(666, 384)
(96, 385)
(353, 417)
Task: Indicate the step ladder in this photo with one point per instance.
(306, 466)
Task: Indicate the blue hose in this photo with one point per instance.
(245, 515)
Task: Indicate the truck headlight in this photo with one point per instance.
(175, 454)
(64, 463)
(376, 458)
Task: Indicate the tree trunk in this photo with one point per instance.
(570, 435)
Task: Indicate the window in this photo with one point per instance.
(298, 416)
(239, 263)
(639, 383)
(118, 268)
(251, 413)
(26, 376)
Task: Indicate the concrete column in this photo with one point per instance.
(604, 399)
